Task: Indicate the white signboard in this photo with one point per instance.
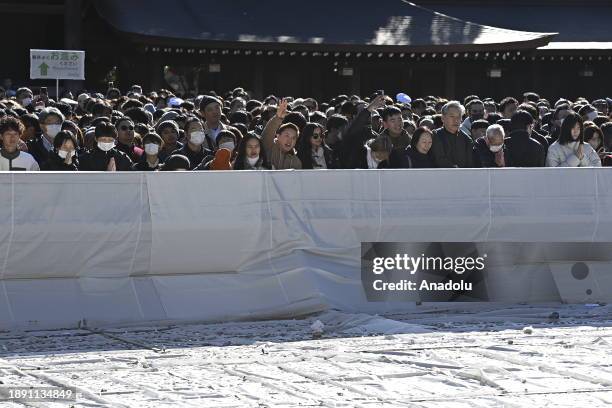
(57, 64)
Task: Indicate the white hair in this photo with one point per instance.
(495, 130)
(453, 104)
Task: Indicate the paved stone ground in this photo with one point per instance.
(472, 355)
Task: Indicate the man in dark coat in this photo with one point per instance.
(451, 146)
(490, 151)
(522, 149)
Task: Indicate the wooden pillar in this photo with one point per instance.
(258, 86)
(356, 80)
(73, 37)
(451, 76)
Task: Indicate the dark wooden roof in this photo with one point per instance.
(587, 21)
(384, 25)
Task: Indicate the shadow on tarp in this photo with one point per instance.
(419, 320)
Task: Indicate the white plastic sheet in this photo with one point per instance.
(131, 247)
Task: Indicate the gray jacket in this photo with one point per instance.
(565, 156)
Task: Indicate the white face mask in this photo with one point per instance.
(252, 160)
(151, 149)
(197, 138)
(227, 145)
(495, 149)
(105, 147)
(26, 102)
(63, 153)
(53, 130)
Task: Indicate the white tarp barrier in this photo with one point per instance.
(131, 247)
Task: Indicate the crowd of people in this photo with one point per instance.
(160, 131)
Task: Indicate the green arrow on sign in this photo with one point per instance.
(43, 69)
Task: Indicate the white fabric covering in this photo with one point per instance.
(131, 247)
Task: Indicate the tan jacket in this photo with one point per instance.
(279, 160)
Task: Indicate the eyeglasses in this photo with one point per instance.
(126, 127)
(316, 136)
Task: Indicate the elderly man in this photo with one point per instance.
(452, 147)
(489, 151)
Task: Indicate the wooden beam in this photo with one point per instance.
(29, 8)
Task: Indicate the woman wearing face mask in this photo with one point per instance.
(194, 148)
(51, 120)
(251, 155)
(570, 150)
(149, 161)
(104, 156)
(64, 156)
(312, 150)
(416, 156)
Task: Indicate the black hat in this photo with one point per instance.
(175, 162)
(207, 100)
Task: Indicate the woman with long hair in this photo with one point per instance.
(570, 150)
(312, 150)
(251, 154)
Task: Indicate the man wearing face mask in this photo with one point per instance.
(51, 120)
(104, 156)
(194, 149)
(476, 111)
(489, 151)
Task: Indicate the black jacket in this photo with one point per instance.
(195, 158)
(360, 159)
(544, 140)
(37, 149)
(164, 154)
(450, 150)
(483, 157)
(413, 159)
(97, 160)
(130, 151)
(56, 163)
(354, 138)
(524, 151)
(142, 165)
(331, 160)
